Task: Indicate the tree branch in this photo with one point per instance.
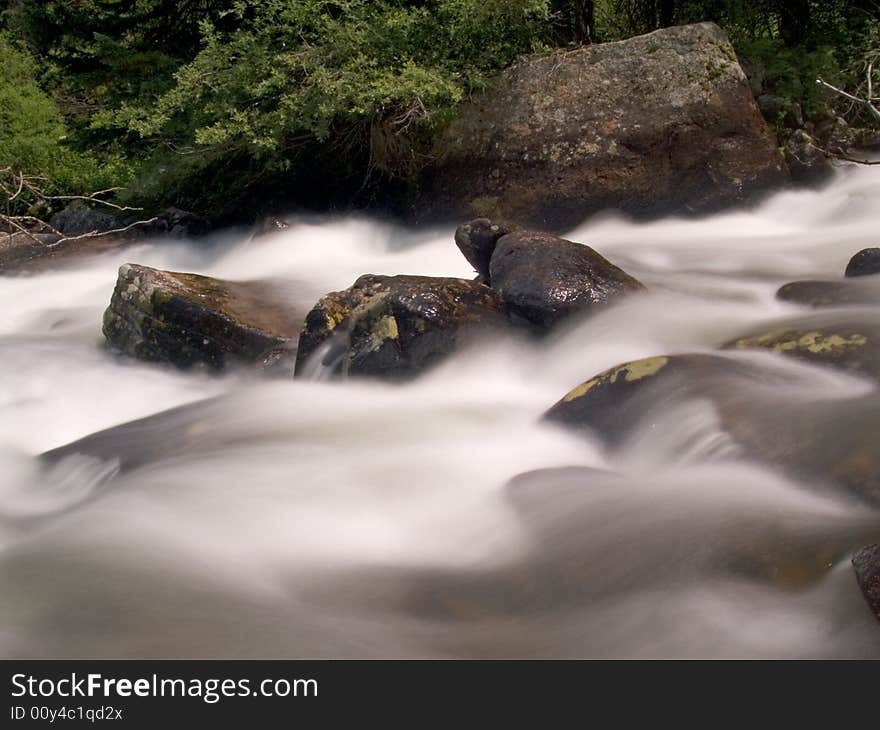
(872, 110)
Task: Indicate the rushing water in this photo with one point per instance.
(313, 518)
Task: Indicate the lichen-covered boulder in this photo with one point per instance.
(187, 319)
(396, 326)
(830, 444)
(831, 293)
(543, 278)
(865, 263)
(616, 400)
(661, 123)
(850, 342)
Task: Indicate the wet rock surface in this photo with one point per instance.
(831, 293)
(866, 563)
(187, 319)
(396, 326)
(544, 279)
(865, 263)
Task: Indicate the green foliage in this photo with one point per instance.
(222, 105)
(33, 134)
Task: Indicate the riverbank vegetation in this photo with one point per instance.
(230, 108)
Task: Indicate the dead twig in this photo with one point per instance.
(872, 110)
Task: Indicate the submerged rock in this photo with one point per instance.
(831, 293)
(396, 326)
(865, 263)
(562, 135)
(757, 410)
(866, 563)
(543, 278)
(613, 402)
(187, 319)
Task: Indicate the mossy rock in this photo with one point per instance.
(188, 319)
(396, 326)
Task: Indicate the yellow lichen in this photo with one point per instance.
(631, 372)
(385, 328)
(815, 342)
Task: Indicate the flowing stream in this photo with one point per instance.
(312, 518)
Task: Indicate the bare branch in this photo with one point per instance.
(98, 234)
(872, 110)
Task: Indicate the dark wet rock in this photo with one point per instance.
(809, 166)
(613, 402)
(476, 240)
(850, 342)
(835, 135)
(831, 293)
(865, 263)
(866, 563)
(79, 217)
(563, 135)
(270, 225)
(187, 319)
(543, 278)
(830, 444)
(396, 326)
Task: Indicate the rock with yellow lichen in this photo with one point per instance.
(396, 326)
(847, 341)
(617, 400)
(748, 406)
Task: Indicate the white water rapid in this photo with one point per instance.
(356, 519)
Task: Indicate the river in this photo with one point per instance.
(314, 518)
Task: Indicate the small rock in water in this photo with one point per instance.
(866, 563)
(477, 239)
(864, 263)
(186, 319)
(397, 326)
(831, 293)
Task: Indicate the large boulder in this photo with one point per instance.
(661, 123)
(187, 319)
(543, 278)
(395, 326)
